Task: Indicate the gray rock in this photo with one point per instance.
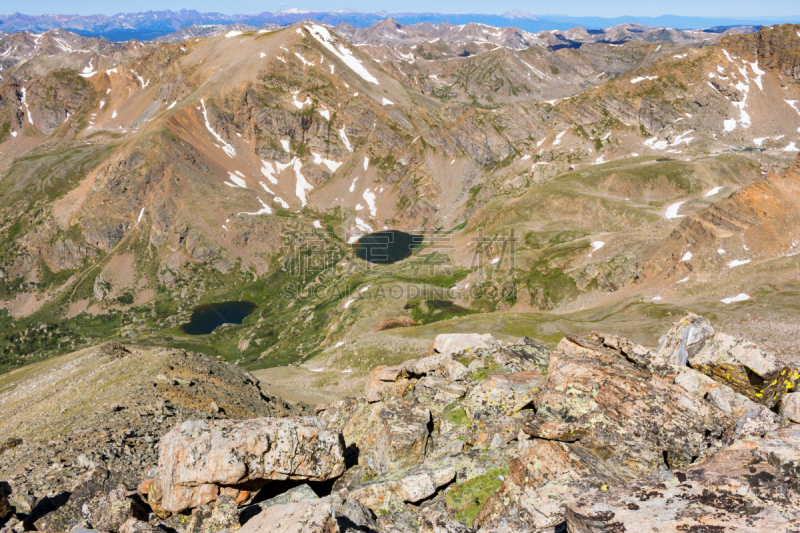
(684, 340)
(790, 407)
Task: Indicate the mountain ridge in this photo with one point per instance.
(152, 24)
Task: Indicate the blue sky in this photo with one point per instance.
(598, 8)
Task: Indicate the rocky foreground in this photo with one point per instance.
(600, 434)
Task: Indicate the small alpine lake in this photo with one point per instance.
(387, 247)
(208, 317)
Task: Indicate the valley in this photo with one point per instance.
(355, 273)
(558, 183)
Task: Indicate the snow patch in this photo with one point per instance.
(740, 298)
(232, 33)
(686, 257)
(369, 197)
(321, 34)
(269, 172)
(302, 184)
(319, 160)
(227, 148)
(643, 78)
(672, 211)
(736, 263)
(265, 209)
(713, 191)
(343, 135)
(387, 102)
(237, 180)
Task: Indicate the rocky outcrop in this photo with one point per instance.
(619, 411)
(608, 435)
(684, 339)
(459, 342)
(202, 460)
(751, 485)
(745, 368)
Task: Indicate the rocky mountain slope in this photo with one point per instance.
(110, 405)
(599, 434)
(140, 180)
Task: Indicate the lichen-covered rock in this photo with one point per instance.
(790, 407)
(759, 421)
(624, 415)
(62, 511)
(331, 514)
(541, 481)
(751, 485)
(410, 485)
(133, 525)
(381, 380)
(529, 350)
(222, 517)
(694, 381)
(403, 437)
(684, 339)
(455, 371)
(296, 517)
(636, 353)
(745, 368)
(114, 509)
(428, 365)
(435, 519)
(199, 460)
(503, 394)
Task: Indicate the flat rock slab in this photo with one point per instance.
(503, 394)
(750, 486)
(450, 343)
(200, 459)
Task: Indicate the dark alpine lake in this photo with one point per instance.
(386, 247)
(208, 317)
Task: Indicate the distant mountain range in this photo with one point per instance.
(153, 24)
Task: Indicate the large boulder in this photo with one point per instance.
(384, 380)
(750, 486)
(409, 485)
(403, 437)
(62, 511)
(745, 368)
(295, 517)
(630, 419)
(113, 510)
(684, 339)
(790, 407)
(200, 460)
(324, 515)
(452, 343)
(503, 394)
(386, 436)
